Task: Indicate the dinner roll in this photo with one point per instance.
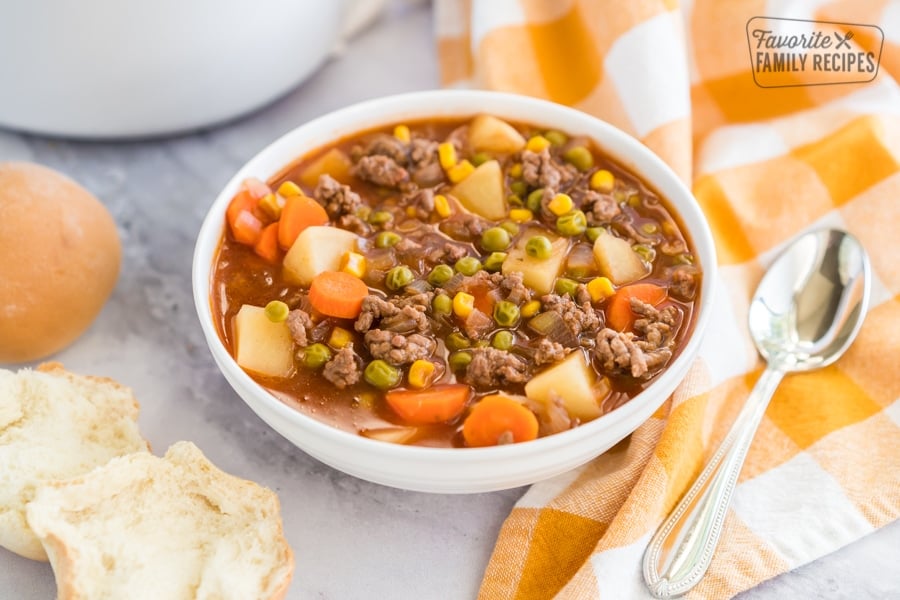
(176, 527)
(55, 425)
(59, 260)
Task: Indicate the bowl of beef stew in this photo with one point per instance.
(454, 291)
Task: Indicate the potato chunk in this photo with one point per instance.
(490, 134)
(617, 261)
(482, 191)
(261, 345)
(334, 162)
(574, 381)
(537, 273)
(317, 249)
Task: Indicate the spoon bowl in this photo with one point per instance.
(810, 303)
(806, 311)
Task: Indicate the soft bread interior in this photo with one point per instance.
(56, 425)
(175, 528)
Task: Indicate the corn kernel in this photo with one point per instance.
(421, 373)
(410, 211)
(289, 188)
(463, 304)
(442, 206)
(401, 132)
(521, 215)
(271, 205)
(515, 171)
(339, 338)
(600, 288)
(531, 308)
(603, 181)
(561, 204)
(447, 155)
(460, 171)
(354, 264)
(537, 143)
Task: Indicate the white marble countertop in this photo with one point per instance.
(352, 539)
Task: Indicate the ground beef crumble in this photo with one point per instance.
(541, 170)
(491, 368)
(547, 352)
(398, 349)
(642, 353)
(300, 325)
(580, 318)
(344, 369)
(339, 200)
(380, 170)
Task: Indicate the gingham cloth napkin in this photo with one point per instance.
(765, 165)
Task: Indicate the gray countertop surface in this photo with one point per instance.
(352, 539)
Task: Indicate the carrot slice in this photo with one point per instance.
(437, 404)
(299, 212)
(247, 228)
(619, 315)
(496, 415)
(337, 294)
(267, 246)
(241, 202)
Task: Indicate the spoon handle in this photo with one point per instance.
(681, 549)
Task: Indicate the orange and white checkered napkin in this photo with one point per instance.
(765, 164)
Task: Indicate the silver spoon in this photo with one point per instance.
(806, 311)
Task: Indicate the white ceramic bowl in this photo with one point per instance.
(455, 470)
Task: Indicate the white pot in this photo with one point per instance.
(127, 68)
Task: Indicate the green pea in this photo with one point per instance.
(518, 187)
(506, 313)
(459, 360)
(442, 304)
(646, 252)
(494, 261)
(556, 138)
(593, 233)
(315, 356)
(381, 374)
(503, 340)
(511, 227)
(467, 265)
(380, 217)
(539, 247)
(573, 223)
(515, 200)
(480, 158)
(398, 277)
(495, 239)
(440, 275)
(533, 203)
(566, 286)
(277, 311)
(457, 341)
(579, 157)
(386, 239)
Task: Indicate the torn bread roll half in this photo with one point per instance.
(55, 425)
(177, 527)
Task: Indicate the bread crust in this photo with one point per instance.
(58, 247)
(195, 500)
(45, 418)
